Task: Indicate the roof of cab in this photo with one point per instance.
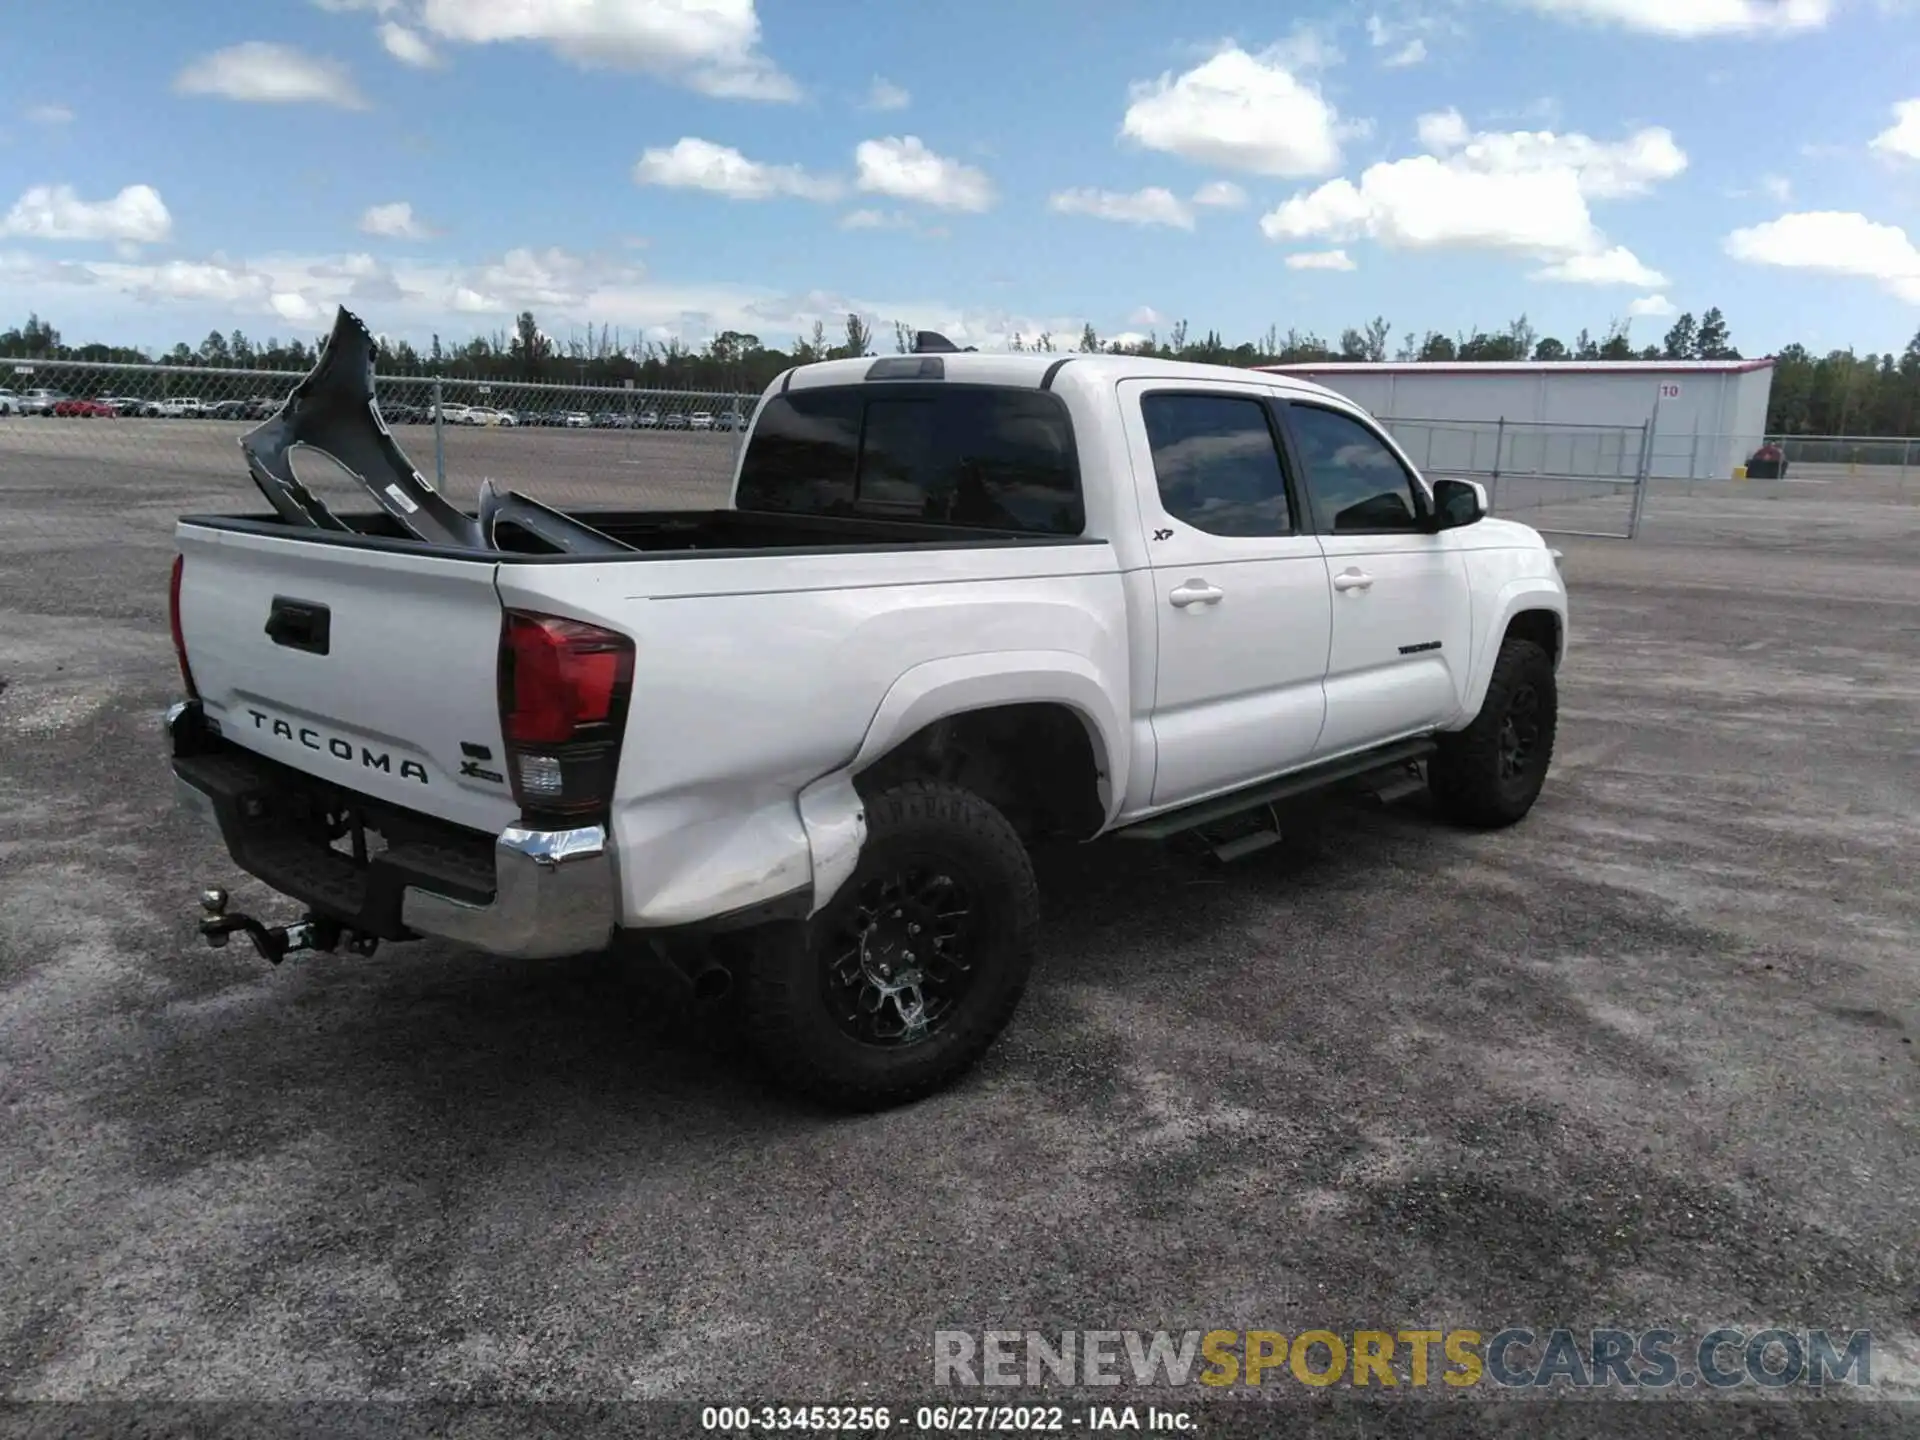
(1042, 371)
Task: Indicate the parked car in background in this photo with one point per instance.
(257, 407)
(701, 420)
(577, 420)
(647, 420)
(9, 402)
(73, 408)
(729, 420)
(40, 401)
(400, 413)
(674, 420)
(182, 407)
(450, 414)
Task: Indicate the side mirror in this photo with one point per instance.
(1457, 503)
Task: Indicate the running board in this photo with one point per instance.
(1287, 787)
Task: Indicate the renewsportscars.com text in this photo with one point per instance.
(1510, 1358)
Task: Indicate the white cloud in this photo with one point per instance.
(1834, 242)
(552, 278)
(1402, 40)
(395, 221)
(712, 46)
(1220, 195)
(1779, 189)
(1652, 307)
(1146, 315)
(1616, 265)
(1902, 138)
(1152, 206)
(1443, 130)
(1606, 171)
(1321, 260)
(1239, 112)
(693, 164)
(222, 285)
(407, 46)
(885, 95)
(49, 115)
(1126, 339)
(876, 220)
(907, 170)
(137, 215)
(564, 289)
(1523, 193)
(294, 307)
(259, 72)
(1695, 19)
(1404, 48)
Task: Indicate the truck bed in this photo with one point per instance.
(661, 532)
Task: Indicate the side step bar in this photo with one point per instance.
(1287, 787)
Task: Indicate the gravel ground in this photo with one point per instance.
(1644, 1061)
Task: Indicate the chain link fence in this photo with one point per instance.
(125, 429)
(1560, 479)
(564, 444)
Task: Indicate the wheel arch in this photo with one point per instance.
(1035, 732)
(1532, 609)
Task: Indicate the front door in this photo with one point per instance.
(1239, 585)
(1402, 611)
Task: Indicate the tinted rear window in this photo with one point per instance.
(963, 455)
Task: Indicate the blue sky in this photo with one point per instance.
(677, 167)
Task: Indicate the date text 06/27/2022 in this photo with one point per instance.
(944, 1419)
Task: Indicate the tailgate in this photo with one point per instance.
(371, 669)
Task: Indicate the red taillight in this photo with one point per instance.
(173, 621)
(564, 686)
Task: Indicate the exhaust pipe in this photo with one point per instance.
(712, 984)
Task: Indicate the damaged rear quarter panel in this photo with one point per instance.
(757, 675)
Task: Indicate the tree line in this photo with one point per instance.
(1838, 393)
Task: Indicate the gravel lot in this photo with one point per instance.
(1646, 1060)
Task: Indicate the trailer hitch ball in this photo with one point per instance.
(213, 901)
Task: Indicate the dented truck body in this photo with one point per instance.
(964, 594)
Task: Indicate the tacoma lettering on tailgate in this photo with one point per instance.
(342, 750)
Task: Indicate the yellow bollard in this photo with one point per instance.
(1739, 472)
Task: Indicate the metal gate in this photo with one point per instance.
(1560, 479)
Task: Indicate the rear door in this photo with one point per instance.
(370, 668)
(1402, 610)
(1240, 588)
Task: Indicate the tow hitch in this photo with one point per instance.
(275, 943)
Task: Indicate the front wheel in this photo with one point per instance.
(1489, 774)
(901, 983)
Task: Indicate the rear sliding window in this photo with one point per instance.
(966, 455)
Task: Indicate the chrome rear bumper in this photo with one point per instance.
(554, 896)
(554, 893)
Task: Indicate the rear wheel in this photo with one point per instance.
(901, 983)
(1489, 774)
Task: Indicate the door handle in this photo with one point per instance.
(300, 625)
(1351, 579)
(1196, 592)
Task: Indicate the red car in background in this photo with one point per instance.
(84, 409)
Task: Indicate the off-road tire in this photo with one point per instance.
(789, 1020)
(1471, 777)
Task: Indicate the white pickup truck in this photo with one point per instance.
(957, 603)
